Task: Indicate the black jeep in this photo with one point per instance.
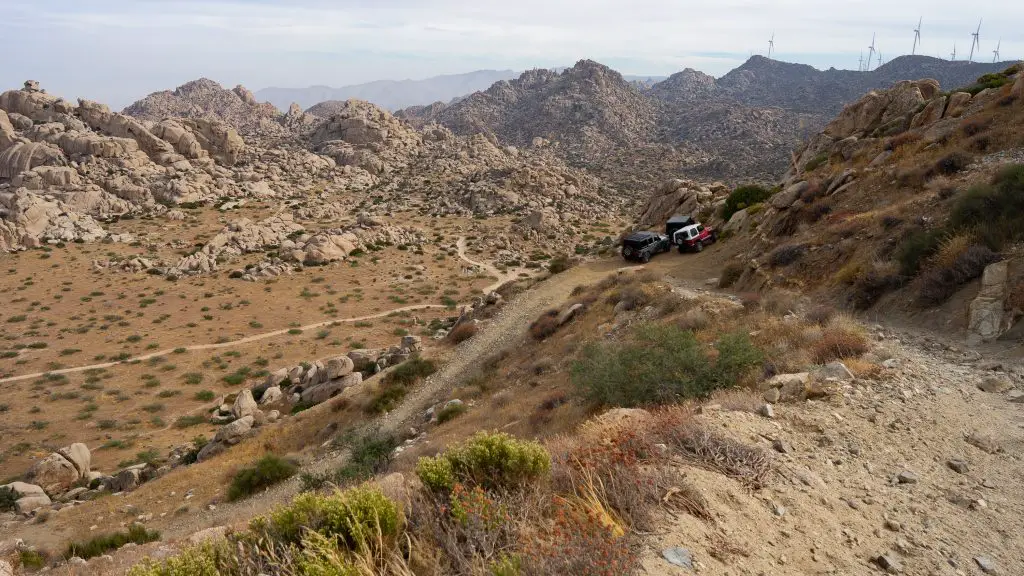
(642, 245)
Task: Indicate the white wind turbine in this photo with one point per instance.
(871, 51)
(995, 53)
(975, 42)
(917, 36)
(771, 45)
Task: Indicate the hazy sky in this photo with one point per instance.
(117, 51)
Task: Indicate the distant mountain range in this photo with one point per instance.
(398, 94)
(389, 94)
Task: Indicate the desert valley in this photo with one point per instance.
(343, 339)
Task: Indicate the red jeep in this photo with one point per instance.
(694, 237)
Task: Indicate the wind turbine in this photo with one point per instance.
(917, 36)
(871, 51)
(995, 52)
(860, 62)
(771, 45)
(879, 61)
(953, 55)
(975, 41)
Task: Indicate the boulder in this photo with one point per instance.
(276, 377)
(414, 343)
(327, 390)
(29, 503)
(271, 395)
(125, 480)
(339, 367)
(906, 98)
(957, 105)
(738, 222)
(836, 370)
(232, 433)
(244, 404)
(78, 454)
(295, 374)
(569, 313)
(932, 113)
(787, 197)
(55, 474)
(23, 489)
(987, 316)
(210, 450)
(325, 248)
(364, 359)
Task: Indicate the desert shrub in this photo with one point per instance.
(203, 560)
(730, 274)
(630, 297)
(267, 471)
(7, 499)
(938, 284)
(904, 139)
(699, 445)
(786, 255)
(371, 454)
(838, 342)
(743, 197)
(359, 518)
(993, 80)
(32, 559)
(816, 162)
(462, 332)
(951, 248)
(397, 382)
(916, 247)
(410, 372)
(450, 412)
(693, 320)
(820, 314)
(974, 125)
(559, 264)
(489, 460)
(581, 543)
(136, 534)
(661, 364)
(995, 210)
(780, 302)
(952, 163)
(544, 326)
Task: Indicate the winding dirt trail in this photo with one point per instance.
(461, 245)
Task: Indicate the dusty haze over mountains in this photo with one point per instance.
(149, 46)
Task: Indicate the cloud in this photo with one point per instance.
(119, 50)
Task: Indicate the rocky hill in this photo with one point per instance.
(206, 99)
(900, 205)
(741, 126)
(802, 88)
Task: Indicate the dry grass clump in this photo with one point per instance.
(462, 332)
(939, 283)
(698, 445)
(694, 320)
(780, 302)
(951, 248)
(821, 314)
(839, 340)
(730, 274)
(545, 326)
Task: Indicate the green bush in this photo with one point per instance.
(559, 264)
(354, 518)
(450, 413)
(410, 372)
(742, 197)
(489, 460)
(994, 80)
(203, 560)
(267, 471)
(995, 210)
(371, 455)
(816, 162)
(102, 544)
(918, 246)
(396, 383)
(32, 559)
(660, 364)
(7, 499)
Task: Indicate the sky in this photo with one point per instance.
(117, 51)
